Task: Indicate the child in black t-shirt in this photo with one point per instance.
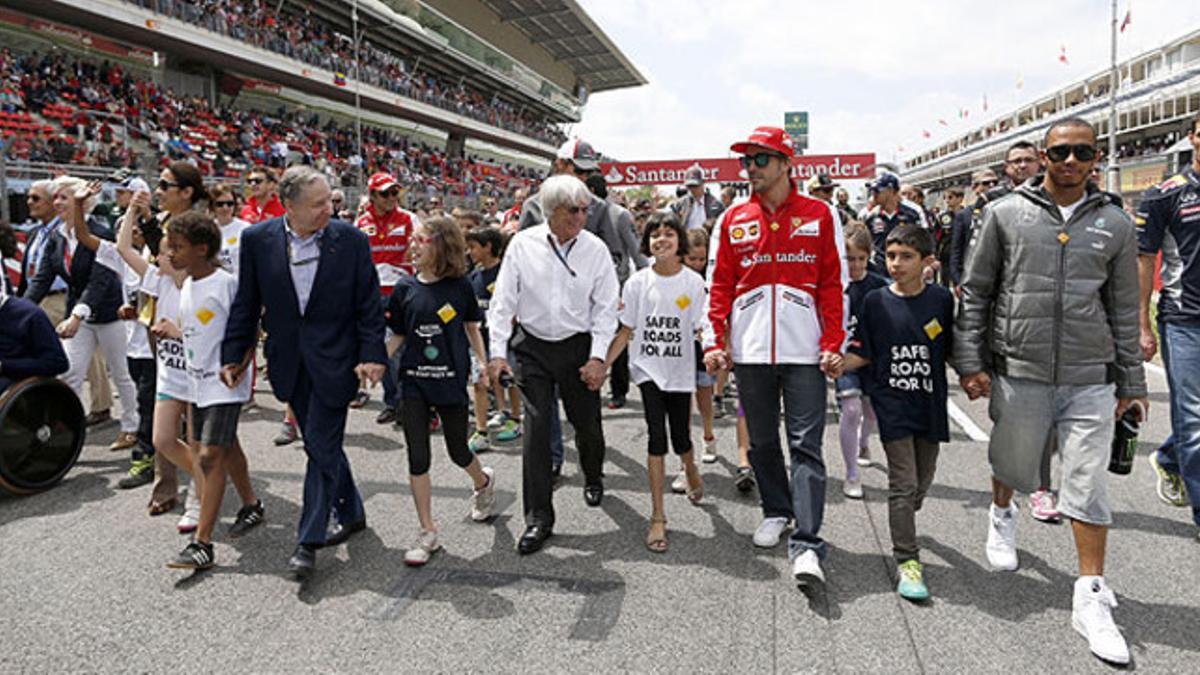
(904, 334)
(436, 317)
(485, 246)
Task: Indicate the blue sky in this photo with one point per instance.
(872, 74)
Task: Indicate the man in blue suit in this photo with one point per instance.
(312, 282)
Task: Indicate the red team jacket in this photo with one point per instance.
(389, 237)
(775, 287)
(253, 213)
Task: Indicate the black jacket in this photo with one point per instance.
(94, 285)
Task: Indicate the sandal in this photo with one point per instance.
(657, 544)
(159, 508)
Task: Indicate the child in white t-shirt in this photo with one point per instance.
(193, 243)
(662, 311)
(171, 396)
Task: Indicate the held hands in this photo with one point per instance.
(67, 329)
(231, 375)
(165, 328)
(497, 367)
(593, 373)
(976, 385)
(716, 361)
(370, 372)
(832, 364)
(1149, 344)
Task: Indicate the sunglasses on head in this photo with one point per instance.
(1059, 153)
(165, 185)
(761, 160)
(225, 203)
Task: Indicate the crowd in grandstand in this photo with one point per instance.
(307, 38)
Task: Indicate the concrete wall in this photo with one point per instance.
(477, 18)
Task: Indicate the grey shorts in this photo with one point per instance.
(1026, 414)
(216, 425)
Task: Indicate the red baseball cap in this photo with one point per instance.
(771, 138)
(381, 182)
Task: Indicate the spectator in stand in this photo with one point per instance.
(389, 230)
(263, 203)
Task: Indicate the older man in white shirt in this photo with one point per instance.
(556, 298)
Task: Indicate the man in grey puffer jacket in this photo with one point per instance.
(1050, 310)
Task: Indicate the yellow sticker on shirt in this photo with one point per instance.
(933, 329)
(1063, 238)
(231, 241)
(446, 313)
(683, 302)
(491, 288)
(205, 315)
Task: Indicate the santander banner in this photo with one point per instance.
(729, 170)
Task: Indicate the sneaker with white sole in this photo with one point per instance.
(1091, 616)
(1169, 485)
(497, 420)
(806, 569)
(768, 532)
(1043, 506)
(510, 430)
(483, 500)
(679, 485)
(1002, 538)
(710, 451)
(852, 488)
(864, 457)
(423, 549)
(479, 442)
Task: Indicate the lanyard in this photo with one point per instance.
(562, 258)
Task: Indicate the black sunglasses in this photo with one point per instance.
(761, 160)
(165, 185)
(35, 198)
(254, 181)
(388, 193)
(1060, 153)
(224, 203)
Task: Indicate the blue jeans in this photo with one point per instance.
(1180, 453)
(803, 391)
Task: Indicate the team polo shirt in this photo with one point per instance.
(389, 236)
(1168, 220)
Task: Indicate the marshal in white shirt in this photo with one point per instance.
(554, 290)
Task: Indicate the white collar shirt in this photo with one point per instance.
(554, 291)
(697, 214)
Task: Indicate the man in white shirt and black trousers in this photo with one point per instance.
(556, 297)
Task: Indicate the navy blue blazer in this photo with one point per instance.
(92, 284)
(342, 327)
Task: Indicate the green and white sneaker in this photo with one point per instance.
(1169, 485)
(509, 431)
(141, 472)
(497, 420)
(912, 582)
(479, 442)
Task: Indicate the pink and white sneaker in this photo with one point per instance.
(1043, 506)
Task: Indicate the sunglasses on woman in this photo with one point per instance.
(1082, 151)
(225, 204)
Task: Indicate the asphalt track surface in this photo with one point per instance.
(83, 585)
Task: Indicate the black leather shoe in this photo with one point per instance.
(387, 415)
(533, 539)
(339, 533)
(593, 494)
(303, 562)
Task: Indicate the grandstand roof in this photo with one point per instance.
(563, 29)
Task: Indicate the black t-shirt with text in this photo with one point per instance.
(435, 361)
(483, 281)
(856, 293)
(907, 339)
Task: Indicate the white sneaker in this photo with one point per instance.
(191, 512)
(679, 485)
(497, 420)
(806, 569)
(864, 457)
(423, 549)
(852, 489)
(768, 532)
(1091, 616)
(710, 451)
(1002, 538)
(483, 500)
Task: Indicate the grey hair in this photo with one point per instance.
(296, 179)
(45, 185)
(71, 183)
(562, 190)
